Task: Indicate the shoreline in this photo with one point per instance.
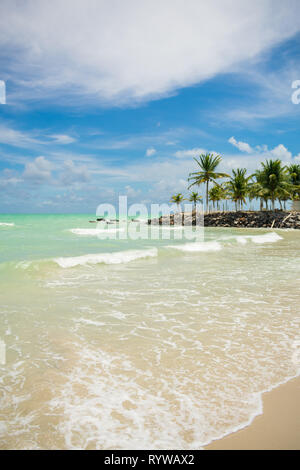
(277, 428)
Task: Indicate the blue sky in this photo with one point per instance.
(104, 98)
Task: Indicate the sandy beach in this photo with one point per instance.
(278, 428)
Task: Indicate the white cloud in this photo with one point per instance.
(9, 181)
(242, 146)
(131, 51)
(2, 92)
(193, 153)
(189, 153)
(131, 192)
(74, 174)
(150, 151)
(281, 152)
(38, 171)
(260, 153)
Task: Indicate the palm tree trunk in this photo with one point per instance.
(207, 208)
(261, 204)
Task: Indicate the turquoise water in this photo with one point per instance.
(35, 237)
(140, 343)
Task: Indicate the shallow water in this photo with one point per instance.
(115, 344)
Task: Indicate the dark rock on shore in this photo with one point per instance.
(259, 219)
(255, 219)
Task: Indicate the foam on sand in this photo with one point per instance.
(106, 258)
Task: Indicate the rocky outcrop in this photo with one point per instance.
(255, 219)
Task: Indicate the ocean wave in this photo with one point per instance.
(93, 232)
(266, 238)
(105, 258)
(7, 224)
(198, 246)
(258, 239)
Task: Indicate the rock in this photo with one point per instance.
(265, 219)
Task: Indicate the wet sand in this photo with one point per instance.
(277, 428)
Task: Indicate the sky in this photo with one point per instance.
(116, 98)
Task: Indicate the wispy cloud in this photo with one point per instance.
(270, 91)
(63, 139)
(32, 139)
(16, 138)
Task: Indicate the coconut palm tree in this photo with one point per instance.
(253, 193)
(238, 187)
(283, 197)
(208, 164)
(195, 197)
(294, 174)
(257, 189)
(274, 180)
(177, 199)
(216, 194)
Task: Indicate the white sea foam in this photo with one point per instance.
(87, 321)
(105, 258)
(198, 246)
(259, 239)
(7, 224)
(108, 400)
(266, 238)
(93, 232)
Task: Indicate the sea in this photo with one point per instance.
(156, 343)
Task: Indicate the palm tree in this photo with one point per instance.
(177, 199)
(216, 194)
(283, 197)
(253, 193)
(273, 180)
(207, 173)
(238, 187)
(294, 173)
(194, 197)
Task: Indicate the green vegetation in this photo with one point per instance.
(195, 197)
(272, 182)
(237, 188)
(207, 173)
(177, 198)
